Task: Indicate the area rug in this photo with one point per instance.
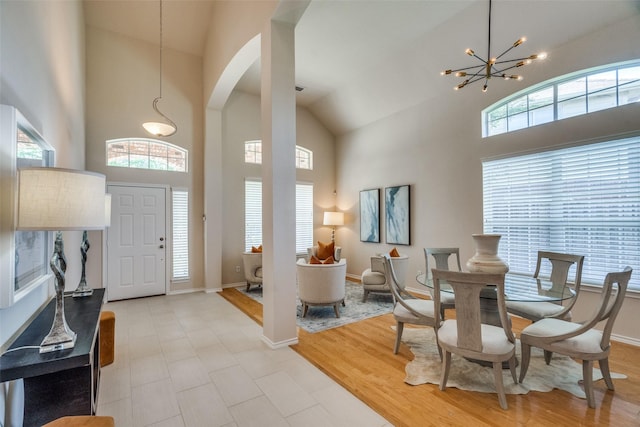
(320, 318)
(563, 373)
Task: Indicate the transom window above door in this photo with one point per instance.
(144, 153)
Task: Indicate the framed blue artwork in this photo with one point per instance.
(370, 215)
(396, 205)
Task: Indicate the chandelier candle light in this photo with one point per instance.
(492, 67)
(162, 129)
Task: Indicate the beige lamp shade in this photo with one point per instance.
(60, 199)
(333, 218)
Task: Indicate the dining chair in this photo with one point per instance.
(466, 335)
(441, 257)
(560, 266)
(406, 307)
(580, 340)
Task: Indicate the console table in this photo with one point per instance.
(62, 382)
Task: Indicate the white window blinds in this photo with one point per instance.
(253, 215)
(580, 200)
(180, 234)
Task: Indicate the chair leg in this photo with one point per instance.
(547, 356)
(587, 377)
(512, 368)
(399, 328)
(524, 363)
(606, 374)
(305, 307)
(335, 308)
(364, 296)
(446, 364)
(248, 286)
(497, 377)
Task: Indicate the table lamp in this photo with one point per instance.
(333, 219)
(54, 199)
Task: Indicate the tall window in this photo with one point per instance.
(253, 215)
(565, 96)
(143, 153)
(180, 234)
(253, 154)
(581, 200)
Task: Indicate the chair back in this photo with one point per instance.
(466, 290)
(614, 290)
(321, 282)
(441, 258)
(395, 285)
(560, 266)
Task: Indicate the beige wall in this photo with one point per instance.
(437, 148)
(240, 123)
(122, 81)
(42, 75)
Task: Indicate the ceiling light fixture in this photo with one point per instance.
(492, 67)
(160, 128)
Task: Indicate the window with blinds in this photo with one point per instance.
(253, 215)
(180, 234)
(580, 200)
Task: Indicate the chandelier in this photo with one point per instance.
(492, 67)
(168, 127)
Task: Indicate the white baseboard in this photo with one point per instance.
(280, 344)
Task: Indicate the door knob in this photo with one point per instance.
(162, 239)
(161, 246)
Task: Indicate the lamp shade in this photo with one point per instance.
(60, 199)
(333, 218)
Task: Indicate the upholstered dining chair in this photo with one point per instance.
(466, 335)
(406, 307)
(376, 278)
(441, 257)
(580, 340)
(560, 266)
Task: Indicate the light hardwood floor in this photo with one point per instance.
(359, 356)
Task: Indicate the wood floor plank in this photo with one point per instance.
(359, 356)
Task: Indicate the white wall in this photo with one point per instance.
(122, 82)
(437, 148)
(240, 123)
(42, 75)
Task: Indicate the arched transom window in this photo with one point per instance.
(253, 154)
(144, 153)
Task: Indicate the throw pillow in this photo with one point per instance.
(314, 260)
(394, 253)
(257, 250)
(325, 250)
(329, 260)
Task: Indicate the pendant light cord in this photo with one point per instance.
(160, 97)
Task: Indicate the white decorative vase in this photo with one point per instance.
(486, 258)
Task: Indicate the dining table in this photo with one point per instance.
(517, 287)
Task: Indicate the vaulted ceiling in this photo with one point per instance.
(360, 61)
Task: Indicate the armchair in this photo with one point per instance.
(321, 284)
(377, 279)
(313, 251)
(252, 262)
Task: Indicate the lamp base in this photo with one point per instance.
(55, 342)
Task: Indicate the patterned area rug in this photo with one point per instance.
(563, 373)
(320, 318)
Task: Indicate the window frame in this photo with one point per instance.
(253, 151)
(150, 159)
(181, 241)
(582, 101)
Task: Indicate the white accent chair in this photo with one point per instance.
(466, 335)
(252, 262)
(406, 307)
(377, 280)
(441, 257)
(313, 251)
(580, 340)
(560, 266)
(321, 284)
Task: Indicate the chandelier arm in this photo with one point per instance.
(504, 69)
(479, 67)
(513, 60)
(476, 79)
(505, 52)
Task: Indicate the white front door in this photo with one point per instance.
(136, 242)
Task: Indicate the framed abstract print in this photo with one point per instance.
(370, 215)
(396, 209)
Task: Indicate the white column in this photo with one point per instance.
(212, 200)
(278, 184)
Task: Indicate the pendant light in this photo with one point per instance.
(167, 127)
(492, 67)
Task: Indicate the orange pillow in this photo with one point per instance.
(329, 260)
(257, 250)
(314, 260)
(325, 250)
(394, 253)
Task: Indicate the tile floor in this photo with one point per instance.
(196, 360)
